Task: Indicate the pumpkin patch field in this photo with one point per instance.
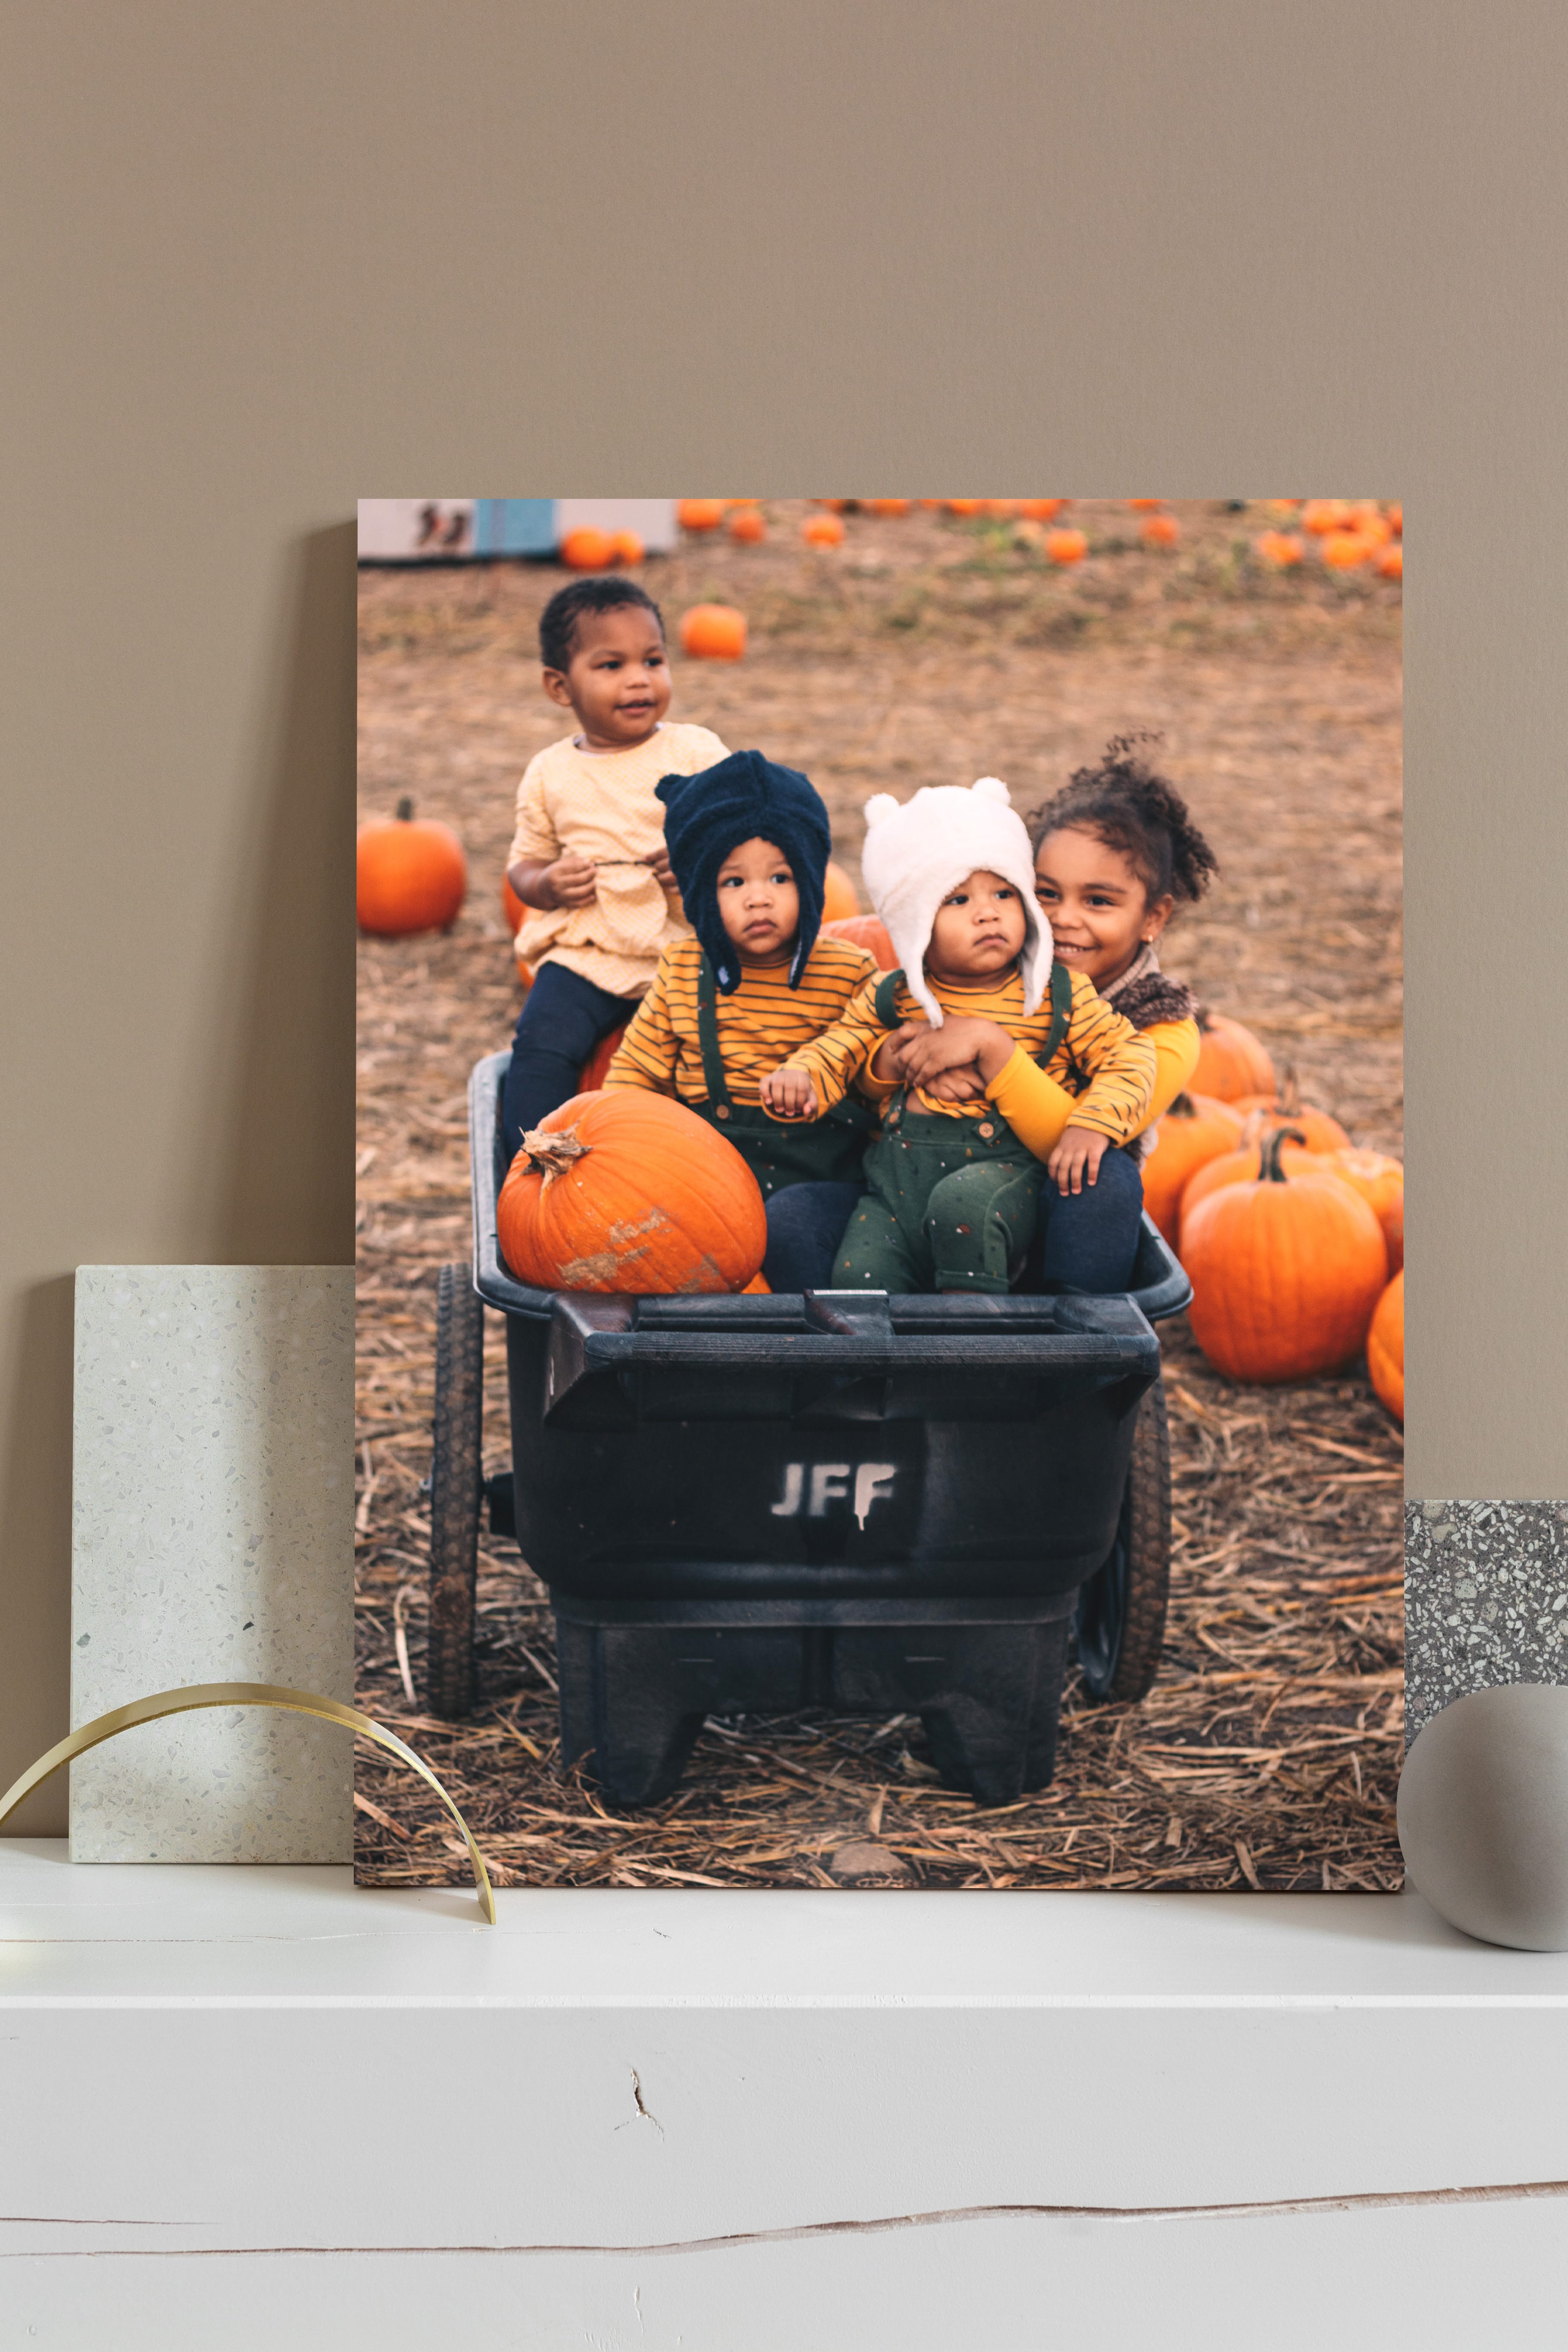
(934, 642)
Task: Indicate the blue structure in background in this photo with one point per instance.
(514, 526)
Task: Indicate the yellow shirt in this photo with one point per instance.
(759, 1023)
(602, 804)
(1038, 1109)
(1101, 1075)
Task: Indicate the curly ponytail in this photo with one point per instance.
(1131, 808)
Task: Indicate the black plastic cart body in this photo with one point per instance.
(756, 1503)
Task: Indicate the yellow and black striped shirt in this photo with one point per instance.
(760, 1023)
(1104, 1065)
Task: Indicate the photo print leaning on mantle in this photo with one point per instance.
(882, 1365)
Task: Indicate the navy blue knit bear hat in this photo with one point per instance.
(744, 798)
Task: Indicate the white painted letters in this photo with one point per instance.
(794, 1476)
(828, 1485)
(872, 1480)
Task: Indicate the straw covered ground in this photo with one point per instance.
(928, 650)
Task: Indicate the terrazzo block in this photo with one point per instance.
(1486, 1601)
(213, 1541)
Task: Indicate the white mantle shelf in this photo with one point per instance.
(642, 2119)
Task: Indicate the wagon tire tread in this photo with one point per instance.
(456, 1487)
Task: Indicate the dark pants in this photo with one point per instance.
(806, 1225)
(563, 1017)
(1083, 1241)
(1088, 1240)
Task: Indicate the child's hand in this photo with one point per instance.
(658, 866)
(961, 1084)
(570, 880)
(1075, 1161)
(921, 1052)
(789, 1094)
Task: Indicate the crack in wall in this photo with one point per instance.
(1352, 2201)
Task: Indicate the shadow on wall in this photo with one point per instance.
(272, 1142)
(286, 1193)
(35, 1553)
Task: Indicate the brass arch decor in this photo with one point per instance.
(195, 1695)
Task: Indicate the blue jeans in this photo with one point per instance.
(1088, 1240)
(805, 1226)
(563, 1017)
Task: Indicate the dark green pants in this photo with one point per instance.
(952, 1206)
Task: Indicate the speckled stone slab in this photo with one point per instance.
(1486, 1601)
(213, 1541)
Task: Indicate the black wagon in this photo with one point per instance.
(840, 1499)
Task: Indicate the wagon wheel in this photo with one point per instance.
(455, 1486)
(1121, 1609)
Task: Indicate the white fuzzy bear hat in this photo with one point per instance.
(917, 851)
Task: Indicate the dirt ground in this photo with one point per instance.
(928, 650)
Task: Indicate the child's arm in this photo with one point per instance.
(830, 1062)
(1070, 1133)
(647, 1054)
(1176, 1048)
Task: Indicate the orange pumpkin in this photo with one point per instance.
(1231, 1060)
(700, 514)
(1392, 1223)
(840, 897)
(1321, 515)
(1381, 1183)
(630, 1191)
(747, 525)
(1066, 546)
(1159, 531)
(822, 531)
(627, 548)
(865, 931)
(1396, 519)
(965, 506)
(1280, 548)
(1391, 562)
(1344, 551)
(886, 506)
(714, 633)
(836, 506)
(408, 876)
(1285, 1272)
(1197, 1129)
(587, 550)
(1319, 1131)
(759, 1287)
(1040, 509)
(592, 1076)
(1242, 1166)
(1385, 1348)
(1147, 506)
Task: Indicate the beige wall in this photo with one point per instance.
(263, 260)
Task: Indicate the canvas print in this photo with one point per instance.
(880, 1210)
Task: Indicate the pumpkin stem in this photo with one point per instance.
(1269, 1170)
(552, 1150)
(405, 809)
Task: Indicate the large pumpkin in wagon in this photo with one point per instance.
(630, 1191)
(1285, 1272)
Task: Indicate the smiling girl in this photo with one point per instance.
(1116, 852)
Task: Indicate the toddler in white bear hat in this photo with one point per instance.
(978, 1019)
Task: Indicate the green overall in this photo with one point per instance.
(823, 1151)
(952, 1202)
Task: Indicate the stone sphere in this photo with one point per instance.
(1483, 1815)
